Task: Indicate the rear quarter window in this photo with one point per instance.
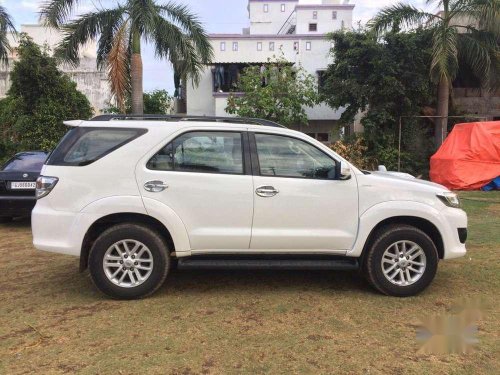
(83, 146)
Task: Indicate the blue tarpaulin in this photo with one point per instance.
(493, 185)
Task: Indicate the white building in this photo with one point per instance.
(89, 80)
(297, 30)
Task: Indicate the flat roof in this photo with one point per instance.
(268, 36)
(324, 6)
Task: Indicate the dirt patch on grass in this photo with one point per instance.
(494, 209)
(77, 312)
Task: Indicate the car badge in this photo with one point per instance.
(25, 175)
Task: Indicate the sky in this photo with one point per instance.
(218, 16)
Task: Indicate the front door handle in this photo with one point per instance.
(155, 186)
(266, 191)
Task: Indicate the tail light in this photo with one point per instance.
(44, 185)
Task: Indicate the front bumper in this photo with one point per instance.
(453, 221)
(14, 206)
(462, 234)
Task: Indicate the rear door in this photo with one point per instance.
(300, 204)
(205, 177)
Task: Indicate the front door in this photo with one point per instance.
(299, 201)
(203, 177)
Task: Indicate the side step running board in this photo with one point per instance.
(268, 264)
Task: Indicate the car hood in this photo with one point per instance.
(381, 187)
(406, 180)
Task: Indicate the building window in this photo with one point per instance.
(235, 46)
(266, 8)
(259, 46)
(322, 137)
(222, 46)
(315, 15)
(296, 46)
(308, 46)
(283, 7)
(271, 46)
(334, 15)
(321, 80)
(313, 27)
(342, 24)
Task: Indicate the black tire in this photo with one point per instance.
(153, 241)
(6, 219)
(387, 236)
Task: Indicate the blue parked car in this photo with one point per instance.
(18, 182)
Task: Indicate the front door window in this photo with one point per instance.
(282, 156)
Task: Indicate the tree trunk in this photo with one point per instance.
(441, 125)
(136, 76)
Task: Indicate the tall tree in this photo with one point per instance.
(175, 33)
(384, 78)
(6, 26)
(464, 31)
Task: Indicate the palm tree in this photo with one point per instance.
(176, 34)
(465, 32)
(6, 26)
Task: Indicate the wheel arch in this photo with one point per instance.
(423, 224)
(110, 220)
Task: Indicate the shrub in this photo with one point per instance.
(40, 98)
(156, 102)
(354, 150)
(279, 93)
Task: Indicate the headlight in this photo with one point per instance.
(450, 199)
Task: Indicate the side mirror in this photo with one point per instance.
(344, 171)
(382, 168)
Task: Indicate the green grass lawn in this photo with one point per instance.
(53, 320)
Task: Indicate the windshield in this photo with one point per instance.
(26, 162)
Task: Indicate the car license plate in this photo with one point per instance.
(22, 185)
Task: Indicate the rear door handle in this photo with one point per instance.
(266, 191)
(155, 186)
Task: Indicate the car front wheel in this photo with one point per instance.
(129, 261)
(402, 261)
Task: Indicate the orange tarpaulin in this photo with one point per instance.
(469, 158)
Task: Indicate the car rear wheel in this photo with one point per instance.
(129, 261)
(402, 261)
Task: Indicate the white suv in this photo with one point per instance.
(128, 195)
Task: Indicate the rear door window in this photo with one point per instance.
(203, 152)
(83, 146)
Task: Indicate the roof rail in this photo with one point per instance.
(235, 120)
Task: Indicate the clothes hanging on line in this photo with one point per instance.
(219, 77)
